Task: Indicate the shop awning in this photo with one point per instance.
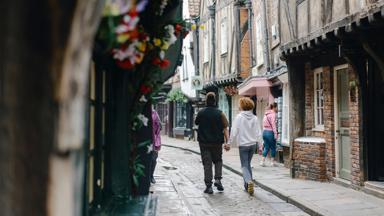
(255, 86)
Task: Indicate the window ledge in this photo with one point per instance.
(318, 129)
(285, 143)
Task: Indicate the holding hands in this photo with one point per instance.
(227, 147)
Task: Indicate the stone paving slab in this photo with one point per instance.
(183, 173)
(316, 198)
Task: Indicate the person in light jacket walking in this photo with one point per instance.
(270, 134)
(246, 132)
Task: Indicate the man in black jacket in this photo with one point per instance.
(212, 134)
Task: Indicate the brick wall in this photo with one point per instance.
(354, 104)
(244, 47)
(309, 100)
(329, 127)
(309, 160)
(244, 57)
(329, 122)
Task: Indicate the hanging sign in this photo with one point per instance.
(197, 83)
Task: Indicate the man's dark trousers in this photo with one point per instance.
(211, 154)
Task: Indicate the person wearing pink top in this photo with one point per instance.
(156, 128)
(269, 134)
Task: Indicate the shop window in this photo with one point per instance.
(285, 117)
(319, 99)
(96, 138)
(181, 115)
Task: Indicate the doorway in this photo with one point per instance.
(342, 122)
(375, 129)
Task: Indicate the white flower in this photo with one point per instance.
(143, 119)
(143, 99)
(162, 54)
(149, 148)
(171, 33)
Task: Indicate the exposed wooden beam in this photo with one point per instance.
(349, 28)
(308, 45)
(382, 12)
(377, 56)
(371, 18)
(325, 37)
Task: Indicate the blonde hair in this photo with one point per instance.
(246, 104)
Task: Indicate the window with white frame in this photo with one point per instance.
(319, 99)
(223, 36)
(205, 45)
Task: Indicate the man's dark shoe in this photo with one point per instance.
(218, 185)
(153, 181)
(208, 190)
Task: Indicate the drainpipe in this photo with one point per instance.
(237, 37)
(197, 52)
(196, 55)
(212, 12)
(250, 28)
(266, 38)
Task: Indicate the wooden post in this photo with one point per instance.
(44, 59)
(296, 76)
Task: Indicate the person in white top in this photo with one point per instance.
(246, 133)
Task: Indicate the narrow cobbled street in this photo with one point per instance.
(179, 187)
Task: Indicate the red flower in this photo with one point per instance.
(125, 64)
(156, 61)
(134, 34)
(178, 27)
(133, 13)
(145, 89)
(165, 63)
(162, 63)
(142, 36)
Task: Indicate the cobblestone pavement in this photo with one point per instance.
(179, 187)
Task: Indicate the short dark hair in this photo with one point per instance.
(273, 105)
(210, 99)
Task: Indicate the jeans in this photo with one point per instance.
(212, 154)
(246, 154)
(155, 154)
(269, 143)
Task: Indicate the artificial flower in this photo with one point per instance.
(143, 119)
(149, 148)
(122, 38)
(143, 99)
(125, 64)
(145, 89)
(162, 54)
(157, 42)
(165, 46)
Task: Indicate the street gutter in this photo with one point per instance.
(292, 200)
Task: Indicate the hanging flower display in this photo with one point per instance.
(230, 90)
(137, 48)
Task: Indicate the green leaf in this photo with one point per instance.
(144, 144)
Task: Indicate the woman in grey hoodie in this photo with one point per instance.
(246, 132)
